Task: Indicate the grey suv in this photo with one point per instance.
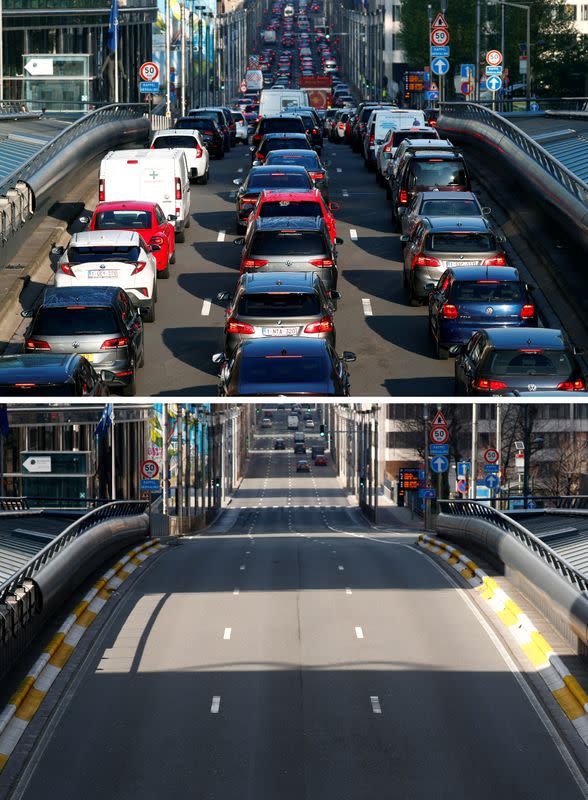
(98, 322)
(278, 304)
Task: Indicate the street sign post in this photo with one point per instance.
(150, 485)
(462, 485)
(149, 71)
(463, 469)
(491, 456)
(439, 463)
(439, 22)
(439, 434)
(149, 468)
(427, 494)
(491, 468)
(494, 83)
(494, 70)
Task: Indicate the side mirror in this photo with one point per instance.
(218, 358)
(455, 349)
(171, 217)
(57, 251)
(223, 296)
(349, 356)
(240, 241)
(237, 181)
(486, 211)
(579, 351)
(143, 312)
(401, 211)
(529, 287)
(107, 376)
(334, 206)
(27, 313)
(404, 238)
(338, 240)
(155, 248)
(335, 295)
(84, 220)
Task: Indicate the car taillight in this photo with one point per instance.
(322, 262)
(424, 261)
(257, 137)
(159, 240)
(101, 189)
(178, 189)
(250, 263)
(139, 267)
(403, 197)
(65, 267)
(314, 130)
(449, 311)
(36, 344)
(388, 148)
(572, 386)
(495, 261)
(488, 385)
(112, 344)
(372, 138)
(527, 311)
(325, 325)
(317, 176)
(239, 327)
(198, 151)
(247, 201)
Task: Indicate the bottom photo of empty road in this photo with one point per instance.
(309, 601)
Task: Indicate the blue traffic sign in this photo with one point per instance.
(467, 70)
(491, 467)
(440, 65)
(492, 481)
(463, 469)
(438, 449)
(439, 463)
(494, 70)
(428, 493)
(148, 87)
(440, 50)
(150, 485)
(531, 504)
(431, 96)
(494, 83)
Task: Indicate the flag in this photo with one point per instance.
(113, 27)
(105, 421)
(4, 425)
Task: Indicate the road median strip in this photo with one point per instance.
(27, 699)
(564, 687)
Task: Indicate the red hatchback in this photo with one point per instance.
(147, 219)
(294, 204)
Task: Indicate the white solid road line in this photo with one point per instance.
(227, 633)
(235, 591)
(375, 701)
(340, 567)
(367, 306)
(353, 234)
(215, 704)
(221, 236)
(344, 192)
(358, 632)
(206, 304)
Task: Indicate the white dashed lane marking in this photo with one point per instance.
(353, 234)
(227, 633)
(206, 304)
(339, 169)
(367, 306)
(375, 701)
(215, 705)
(358, 632)
(221, 236)
(344, 192)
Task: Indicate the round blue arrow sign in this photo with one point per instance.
(440, 65)
(439, 464)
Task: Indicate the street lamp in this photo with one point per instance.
(526, 8)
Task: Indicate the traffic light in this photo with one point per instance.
(322, 430)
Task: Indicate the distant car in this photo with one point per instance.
(279, 141)
(281, 178)
(279, 444)
(266, 422)
(210, 132)
(307, 159)
(321, 461)
(302, 466)
(49, 375)
(309, 423)
(504, 360)
(192, 144)
(299, 447)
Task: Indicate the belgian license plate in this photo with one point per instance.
(102, 273)
(89, 356)
(462, 263)
(279, 331)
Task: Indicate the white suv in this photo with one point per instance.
(190, 141)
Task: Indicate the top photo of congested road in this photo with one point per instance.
(305, 237)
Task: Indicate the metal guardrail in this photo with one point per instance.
(478, 113)
(571, 502)
(116, 509)
(469, 508)
(32, 503)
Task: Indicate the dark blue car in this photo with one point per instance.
(284, 365)
(51, 374)
(469, 298)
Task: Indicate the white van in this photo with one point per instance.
(160, 176)
(191, 143)
(275, 101)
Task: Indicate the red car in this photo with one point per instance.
(295, 204)
(321, 461)
(147, 219)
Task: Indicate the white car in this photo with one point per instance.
(393, 139)
(112, 258)
(240, 126)
(190, 142)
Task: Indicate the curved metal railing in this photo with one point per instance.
(541, 502)
(116, 509)
(469, 508)
(474, 111)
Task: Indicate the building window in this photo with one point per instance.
(584, 12)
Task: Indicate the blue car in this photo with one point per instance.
(469, 298)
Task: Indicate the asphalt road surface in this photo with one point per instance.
(294, 653)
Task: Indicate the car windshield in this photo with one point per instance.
(282, 304)
(453, 207)
(555, 363)
(461, 242)
(302, 158)
(291, 208)
(174, 141)
(487, 292)
(127, 220)
(283, 125)
(286, 243)
(87, 255)
(280, 180)
(437, 173)
(82, 321)
(302, 370)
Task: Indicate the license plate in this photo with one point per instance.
(102, 273)
(89, 356)
(462, 263)
(279, 331)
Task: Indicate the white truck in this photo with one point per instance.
(276, 101)
(292, 422)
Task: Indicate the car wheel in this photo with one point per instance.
(130, 390)
(203, 180)
(172, 258)
(180, 236)
(150, 313)
(413, 300)
(442, 352)
(188, 221)
(163, 274)
(142, 360)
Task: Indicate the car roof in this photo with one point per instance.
(293, 153)
(310, 196)
(290, 168)
(60, 296)
(279, 281)
(47, 368)
(126, 205)
(439, 144)
(286, 223)
(283, 345)
(459, 224)
(503, 338)
(485, 273)
(115, 237)
(432, 195)
(285, 135)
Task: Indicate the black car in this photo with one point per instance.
(425, 171)
(504, 360)
(303, 158)
(284, 366)
(276, 124)
(211, 134)
(312, 128)
(280, 178)
(279, 141)
(299, 448)
(279, 444)
(31, 375)
(221, 116)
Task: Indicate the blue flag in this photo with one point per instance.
(4, 425)
(113, 27)
(105, 421)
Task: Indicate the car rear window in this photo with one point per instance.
(162, 142)
(453, 207)
(203, 124)
(529, 362)
(280, 180)
(127, 219)
(283, 304)
(37, 390)
(437, 173)
(487, 292)
(290, 208)
(282, 125)
(74, 321)
(87, 255)
(302, 158)
(280, 243)
(284, 144)
(461, 242)
(217, 115)
(400, 136)
(301, 370)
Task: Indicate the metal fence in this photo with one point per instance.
(471, 509)
(116, 509)
(568, 502)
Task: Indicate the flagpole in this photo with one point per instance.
(112, 459)
(116, 58)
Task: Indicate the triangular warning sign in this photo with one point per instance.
(439, 21)
(439, 419)
(434, 87)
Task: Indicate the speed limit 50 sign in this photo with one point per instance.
(149, 469)
(149, 71)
